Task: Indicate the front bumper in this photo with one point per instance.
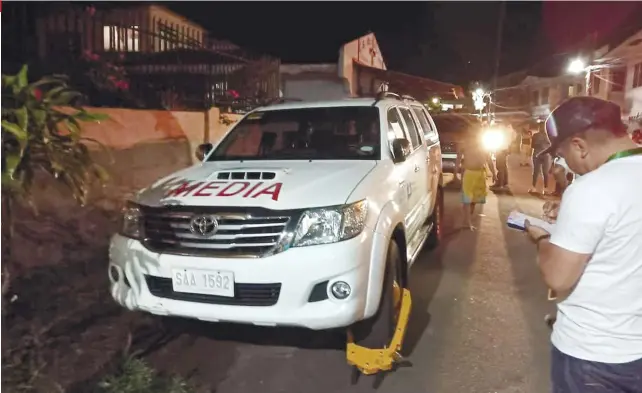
(299, 271)
(448, 162)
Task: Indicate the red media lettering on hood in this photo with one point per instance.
(254, 187)
(273, 190)
(243, 189)
(213, 185)
(234, 189)
(184, 189)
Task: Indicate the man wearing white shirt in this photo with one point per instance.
(593, 260)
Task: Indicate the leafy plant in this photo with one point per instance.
(41, 133)
(135, 376)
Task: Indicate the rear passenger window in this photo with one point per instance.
(413, 133)
(429, 132)
(395, 127)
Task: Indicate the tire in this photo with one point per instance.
(434, 238)
(377, 331)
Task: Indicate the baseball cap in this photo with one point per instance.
(578, 114)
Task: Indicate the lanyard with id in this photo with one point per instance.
(625, 153)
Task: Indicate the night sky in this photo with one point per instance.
(448, 41)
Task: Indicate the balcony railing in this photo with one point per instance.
(165, 65)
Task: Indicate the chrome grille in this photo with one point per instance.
(238, 235)
(449, 147)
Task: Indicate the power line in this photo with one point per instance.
(498, 42)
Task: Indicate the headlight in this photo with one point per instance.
(132, 221)
(331, 224)
(492, 140)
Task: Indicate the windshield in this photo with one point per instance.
(458, 126)
(329, 133)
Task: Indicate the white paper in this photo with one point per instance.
(516, 219)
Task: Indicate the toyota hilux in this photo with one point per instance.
(305, 214)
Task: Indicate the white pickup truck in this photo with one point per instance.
(305, 214)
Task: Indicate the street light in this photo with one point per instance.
(479, 92)
(576, 66)
(435, 100)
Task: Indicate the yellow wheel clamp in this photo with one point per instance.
(377, 361)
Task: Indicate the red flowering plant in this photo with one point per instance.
(105, 74)
(635, 127)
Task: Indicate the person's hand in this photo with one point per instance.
(534, 232)
(550, 210)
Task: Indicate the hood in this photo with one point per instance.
(277, 185)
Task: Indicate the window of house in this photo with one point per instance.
(168, 37)
(595, 82)
(570, 91)
(121, 39)
(618, 79)
(544, 97)
(637, 75)
(578, 89)
(535, 97)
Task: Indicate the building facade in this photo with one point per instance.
(360, 72)
(617, 76)
(160, 59)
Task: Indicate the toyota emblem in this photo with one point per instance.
(204, 225)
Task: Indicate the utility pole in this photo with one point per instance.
(498, 52)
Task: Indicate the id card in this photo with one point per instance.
(516, 220)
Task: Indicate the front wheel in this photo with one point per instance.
(377, 331)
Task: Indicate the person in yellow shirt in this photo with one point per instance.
(474, 158)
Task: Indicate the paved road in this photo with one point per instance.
(477, 325)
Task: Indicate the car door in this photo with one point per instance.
(420, 194)
(404, 171)
(433, 159)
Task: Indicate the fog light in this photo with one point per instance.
(340, 290)
(114, 273)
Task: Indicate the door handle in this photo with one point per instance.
(416, 168)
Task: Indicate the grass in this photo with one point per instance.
(136, 376)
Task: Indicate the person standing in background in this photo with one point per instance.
(541, 162)
(501, 159)
(473, 182)
(525, 146)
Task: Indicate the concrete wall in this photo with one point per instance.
(142, 146)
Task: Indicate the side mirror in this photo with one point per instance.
(202, 150)
(400, 150)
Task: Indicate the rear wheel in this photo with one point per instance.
(434, 238)
(377, 331)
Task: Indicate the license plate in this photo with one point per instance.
(206, 282)
(447, 164)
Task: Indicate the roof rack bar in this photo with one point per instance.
(409, 97)
(386, 94)
(282, 100)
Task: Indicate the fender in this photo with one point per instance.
(390, 216)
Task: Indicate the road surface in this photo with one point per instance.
(477, 324)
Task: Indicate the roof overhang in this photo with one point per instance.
(421, 88)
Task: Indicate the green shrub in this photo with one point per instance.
(135, 376)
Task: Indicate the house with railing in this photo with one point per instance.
(162, 58)
(617, 75)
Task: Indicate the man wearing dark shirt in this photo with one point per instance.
(541, 163)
